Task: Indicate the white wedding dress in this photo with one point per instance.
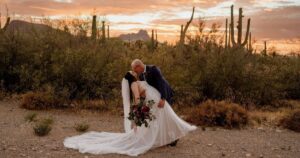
(166, 128)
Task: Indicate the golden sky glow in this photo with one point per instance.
(273, 20)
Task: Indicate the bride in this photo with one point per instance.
(166, 128)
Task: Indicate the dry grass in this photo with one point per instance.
(292, 121)
(46, 100)
(209, 113)
(271, 116)
(284, 115)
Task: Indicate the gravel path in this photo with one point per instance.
(18, 140)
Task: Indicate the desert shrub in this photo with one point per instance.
(278, 104)
(81, 127)
(41, 100)
(78, 68)
(31, 117)
(219, 113)
(292, 121)
(43, 127)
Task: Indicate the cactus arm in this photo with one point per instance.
(189, 22)
(247, 33)
(240, 26)
(250, 42)
(186, 27)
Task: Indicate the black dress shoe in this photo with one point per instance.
(173, 144)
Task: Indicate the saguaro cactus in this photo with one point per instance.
(183, 31)
(103, 31)
(239, 42)
(156, 41)
(94, 27)
(229, 36)
(152, 40)
(107, 31)
(226, 34)
(265, 48)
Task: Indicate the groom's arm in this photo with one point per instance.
(160, 82)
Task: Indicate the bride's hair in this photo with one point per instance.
(130, 78)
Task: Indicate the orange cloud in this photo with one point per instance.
(271, 19)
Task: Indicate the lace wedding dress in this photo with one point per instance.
(166, 128)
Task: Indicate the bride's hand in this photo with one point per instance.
(143, 93)
(161, 103)
(133, 126)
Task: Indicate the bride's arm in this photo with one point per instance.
(136, 94)
(135, 91)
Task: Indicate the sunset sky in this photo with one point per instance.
(277, 21)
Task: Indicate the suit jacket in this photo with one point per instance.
(154, 78)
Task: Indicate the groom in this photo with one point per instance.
(152, 75)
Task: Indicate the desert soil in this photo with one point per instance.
(17, 138)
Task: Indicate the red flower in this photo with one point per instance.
(145, 109)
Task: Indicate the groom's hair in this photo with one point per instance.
(136, 62)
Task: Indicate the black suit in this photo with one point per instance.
(154, 78)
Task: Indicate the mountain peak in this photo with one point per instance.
(140, 35)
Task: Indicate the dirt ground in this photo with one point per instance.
(17, 138)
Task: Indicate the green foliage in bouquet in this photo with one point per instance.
(141, 113)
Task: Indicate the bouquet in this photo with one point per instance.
(141, 113)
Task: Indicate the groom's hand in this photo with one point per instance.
(161, 103)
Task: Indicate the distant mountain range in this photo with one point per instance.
(24, 26)
(28, 27)
(141, 35)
